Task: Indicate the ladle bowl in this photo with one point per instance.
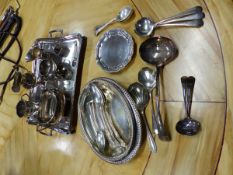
(158, 51)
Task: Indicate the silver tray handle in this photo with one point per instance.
(55, 31)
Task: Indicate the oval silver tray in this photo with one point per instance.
(114, 50)
(124, 115)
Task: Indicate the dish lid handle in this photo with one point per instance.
(55, 31)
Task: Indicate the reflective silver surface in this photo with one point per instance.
(138, 124)
(33, 53)
(26, 107)
(55, 64)
(47, 67)
(141, 97)
(123, 15)
(28, 80)
(159, 51)
(144, 26)
(190, 18)
(114, 111)
(52, 105)
(188, 126)
(147, 77)
(114, 50)
(117, 118)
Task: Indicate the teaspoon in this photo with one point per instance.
(123, 15)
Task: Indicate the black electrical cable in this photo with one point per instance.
(15, 67)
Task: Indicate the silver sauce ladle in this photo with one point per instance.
(159, 51)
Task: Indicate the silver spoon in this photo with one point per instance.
(146, 77)
(159, 51)
(100, 139)
(100, 136)
(188, 126)
(189, 18)
(111, 133)
(141, 97)
(123, 15)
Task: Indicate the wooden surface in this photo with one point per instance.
(205, 53)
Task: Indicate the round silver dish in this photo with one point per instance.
(135, 137)
(114, 50)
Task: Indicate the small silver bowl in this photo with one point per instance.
(52, 105)
(47, 67)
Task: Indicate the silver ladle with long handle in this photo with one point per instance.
(159, 51)
(190, 18)
(123, 15)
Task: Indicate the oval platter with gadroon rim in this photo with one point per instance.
(117, 118)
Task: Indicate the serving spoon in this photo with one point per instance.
(189, 18)
(146, 77)
(123, 15)
(141, 97)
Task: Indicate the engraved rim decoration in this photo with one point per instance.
(114, 50)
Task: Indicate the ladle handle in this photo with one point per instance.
(188, 86)
(152, 144)
(191, 11)
(192, 23)
(195, 16)
(154, 124)
(162, 132)
(99, 28)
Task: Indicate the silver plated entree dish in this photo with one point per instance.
(109, 121)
